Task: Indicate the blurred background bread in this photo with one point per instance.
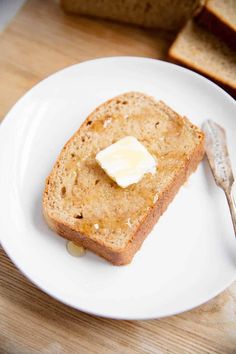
(163, 14)
(206, 41)
(200, 50)
(207, 44)
(219, 17)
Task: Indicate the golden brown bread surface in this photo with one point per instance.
(82, 204)
(164, 14)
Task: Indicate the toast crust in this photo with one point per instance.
(123, 255)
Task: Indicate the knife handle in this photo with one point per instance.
(232, 207)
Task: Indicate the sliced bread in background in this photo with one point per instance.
(219, 17)
(163, 14)
(199, 50)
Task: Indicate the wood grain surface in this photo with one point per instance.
(40, 40)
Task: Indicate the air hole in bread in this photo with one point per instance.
(118, 101)
(78, 216)
(63, 191)
(157, 123)
(89, 122)
(97, 181)
(83, 140)
(125, 102)
(72, 155)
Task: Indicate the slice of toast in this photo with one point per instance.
(82, 204)
(203, 52)
(219, 17)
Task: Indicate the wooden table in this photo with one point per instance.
(40, 40)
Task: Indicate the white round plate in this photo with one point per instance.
(188, 258)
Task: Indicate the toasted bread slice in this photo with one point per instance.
(82, 204)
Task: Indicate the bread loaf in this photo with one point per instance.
(164, 14)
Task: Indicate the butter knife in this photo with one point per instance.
(219, 161)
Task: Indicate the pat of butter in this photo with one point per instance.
(126, 161)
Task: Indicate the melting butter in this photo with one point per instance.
(126, 161)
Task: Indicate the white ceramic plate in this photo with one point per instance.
(188, 258)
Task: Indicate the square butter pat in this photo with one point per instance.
(126, 161)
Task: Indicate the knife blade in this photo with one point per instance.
(219, 161)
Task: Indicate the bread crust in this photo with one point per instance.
(125, 255)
